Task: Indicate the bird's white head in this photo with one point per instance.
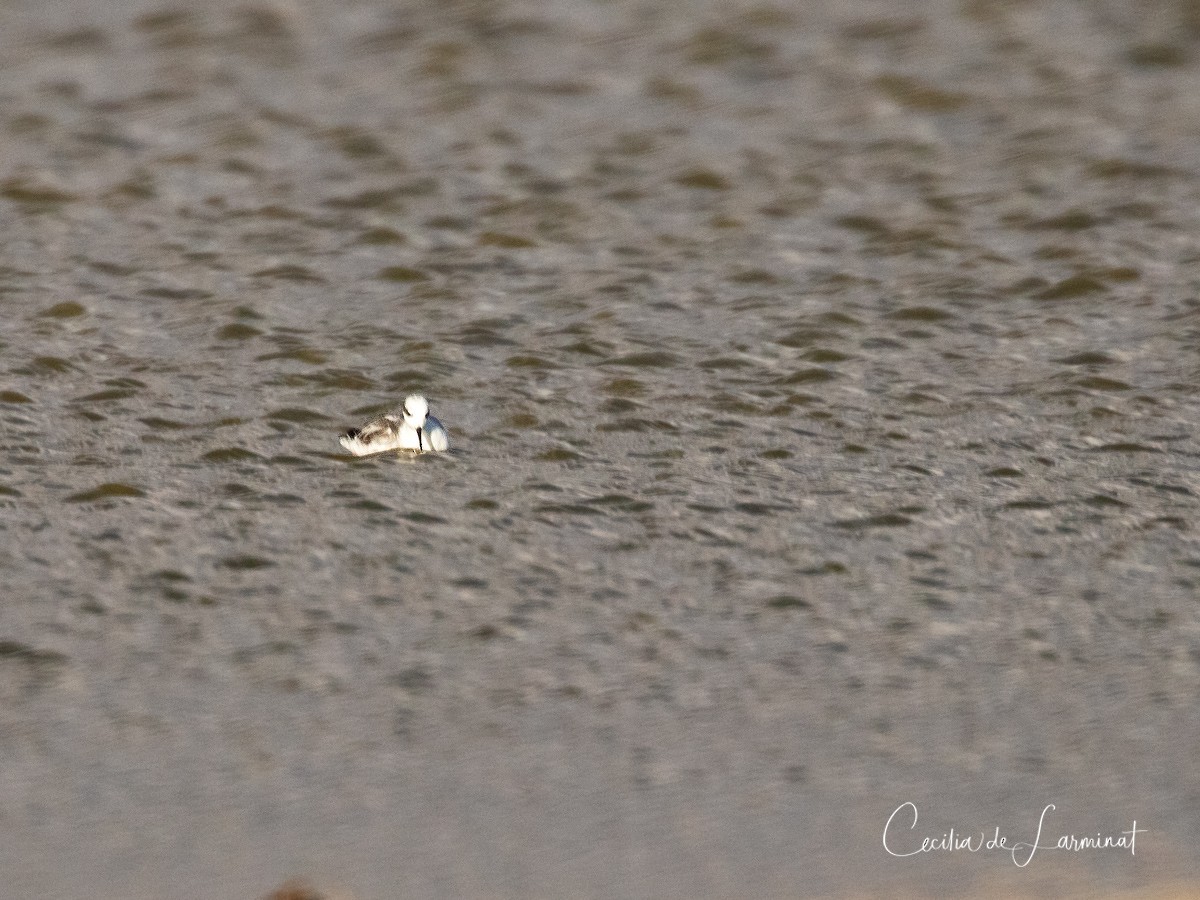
(415, 410)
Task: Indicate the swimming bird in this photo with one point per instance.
(412, 429)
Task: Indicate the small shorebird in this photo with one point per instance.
(412, 429)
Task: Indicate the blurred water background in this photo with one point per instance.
(822, 384)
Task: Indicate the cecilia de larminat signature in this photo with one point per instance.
(897, 840)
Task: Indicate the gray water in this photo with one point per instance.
(821, 380)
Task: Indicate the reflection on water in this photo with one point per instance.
(821, 388)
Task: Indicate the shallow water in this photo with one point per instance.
(821, 383)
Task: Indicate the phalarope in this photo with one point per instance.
(413, 429)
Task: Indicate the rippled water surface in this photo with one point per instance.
(821, 380)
